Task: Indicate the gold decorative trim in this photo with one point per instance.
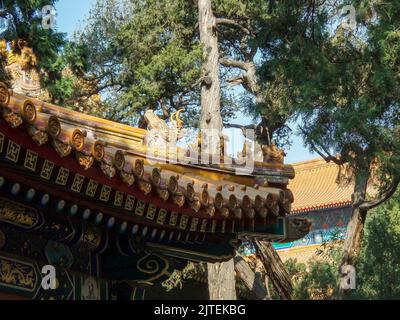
(98, 150)
(78, 183)
(17, 275)
(78, 139)
(105, 193)
(184, 222)
(162, 215)
(13, 119)
(91, 188)
(62, 177)
(139, 168)
(62, 149)
(128, 178)
(47, 170)
(4, 94)
(145, 187)
(156, 177)
(19, 215)
(173, 219)
(141, 205)
(194, 224)
(151, 212)
(53, 127)
(119, 160)
(31, 160)
(86, 162)
(40, 138)
(29, 111)
(173, 185)
(130, 203)
(13, 151)
(108, 170)
(179, 200)
(118, 199)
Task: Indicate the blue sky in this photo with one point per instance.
(71, 15)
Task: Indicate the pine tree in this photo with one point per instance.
(343, 84)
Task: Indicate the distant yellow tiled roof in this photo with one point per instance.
(315, 187)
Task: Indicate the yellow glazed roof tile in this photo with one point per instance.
(315, 186)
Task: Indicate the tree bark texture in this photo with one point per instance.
(252, 281)
(355, 228)
(211, 120)
(221, 280)
(275, 269)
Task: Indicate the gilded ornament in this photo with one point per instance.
(163, 194)
(29, 111)
(179, 200)
(78, 139)
(108, 170)
(190, 192)
(40, 138)
(156, 176)
(63, 150)
(195, 205)
(85, 161)
(119, 160)
(98, 151)
(145, 187)
(4, 94)
(128, 178)
(139, 168)
(13, 119)
(219, 201)
(53, 127)
(173, 185)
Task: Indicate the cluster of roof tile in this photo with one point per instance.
(119, 150)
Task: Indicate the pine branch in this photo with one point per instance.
(325, 154)
(384, 196)
(234, 64)
(232, 23)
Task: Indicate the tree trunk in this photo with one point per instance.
(221, 281)
(250, 279)
(211, 120)
(275, 269)
(355, 228)
(221, 276)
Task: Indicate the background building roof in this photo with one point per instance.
(315, 186)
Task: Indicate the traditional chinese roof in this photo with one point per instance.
(107, 167)
(315, 186)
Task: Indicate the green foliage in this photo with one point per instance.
(190, 272)
(343, 84)
(145, 55)
(377, 269)
(318, 278)
(54, 54)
